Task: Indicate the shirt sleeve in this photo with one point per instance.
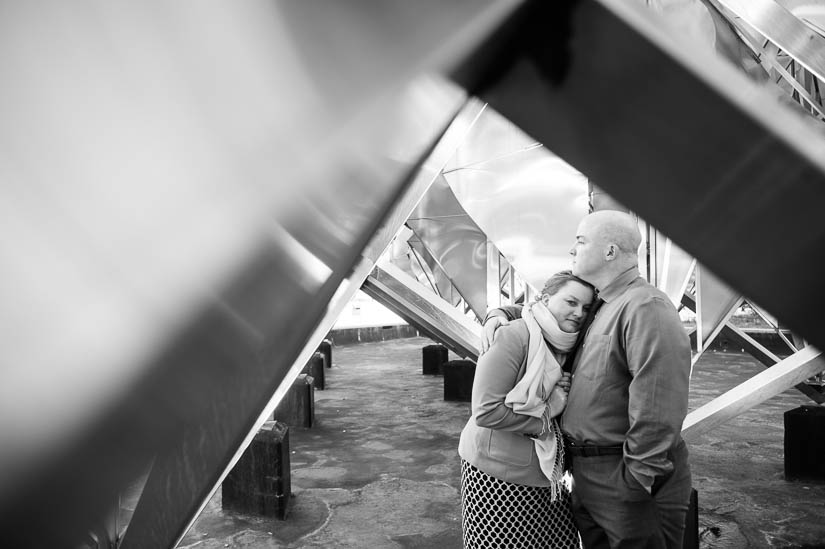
(510, 312)
(496, 374)
(658, 359)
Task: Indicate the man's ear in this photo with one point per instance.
(610, 255)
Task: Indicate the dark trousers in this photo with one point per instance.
(612, 510)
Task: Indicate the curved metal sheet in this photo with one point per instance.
(526, 200)
(455, 242)
(428, 270)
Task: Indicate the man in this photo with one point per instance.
(628, 399)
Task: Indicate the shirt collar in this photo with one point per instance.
(619, 284)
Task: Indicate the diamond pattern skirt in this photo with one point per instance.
(498, 514)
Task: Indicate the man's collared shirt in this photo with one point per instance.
(631, 377)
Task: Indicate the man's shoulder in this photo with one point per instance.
(642, 292)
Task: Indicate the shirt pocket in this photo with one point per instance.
(594, 358)
(510, 448)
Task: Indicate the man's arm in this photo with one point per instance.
(496, 318)
(658, 357)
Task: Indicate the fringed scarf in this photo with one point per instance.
(537, 388)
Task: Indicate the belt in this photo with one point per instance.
(590, 450)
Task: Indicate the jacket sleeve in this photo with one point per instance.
(510, 312)
(497, 372)
(658, 359)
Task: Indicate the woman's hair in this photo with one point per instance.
(558, 280)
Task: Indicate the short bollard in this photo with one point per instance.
(458, 380)
(805, 443)
(315, 368)
(325, 348)
(297, 409)
(434, 357)
(260, 482)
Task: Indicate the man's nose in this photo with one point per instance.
(572, 251)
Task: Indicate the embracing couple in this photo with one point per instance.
(591, 380)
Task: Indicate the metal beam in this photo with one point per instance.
(781, 27)
(182, 482)
(715, 304)
(784, 375)
(422, 308)
(186, 224)
(688, 143)
(756, 350)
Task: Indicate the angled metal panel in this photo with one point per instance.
(811, 12)
(757, 350)
(494, 268)
(775, 22)
(165, 208)
(182, 482)
(715, 303)
(773, 381)
(675, 268)
(454, 241)
(686, 150)
(407, 298)
(433, 273)
(526, 200)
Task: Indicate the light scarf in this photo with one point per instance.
(538, 387)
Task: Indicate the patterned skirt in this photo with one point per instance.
(499, 514)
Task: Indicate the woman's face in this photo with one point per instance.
(569, 305)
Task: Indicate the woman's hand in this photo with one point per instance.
(564, 382)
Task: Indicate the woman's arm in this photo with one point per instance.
(496, 374)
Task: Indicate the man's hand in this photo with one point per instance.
(488, 331)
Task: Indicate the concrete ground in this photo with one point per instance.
(379, 468)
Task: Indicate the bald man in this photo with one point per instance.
(628, 398)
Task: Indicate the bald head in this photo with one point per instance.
(607, 244)
(619, 228)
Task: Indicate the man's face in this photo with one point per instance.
(587, 252)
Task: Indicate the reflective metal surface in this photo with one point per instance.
(674, 269)
(810, 12)
(184, 189)
(730, 175)
(784, 375)
(454, 241)
(738, 337)
(420, 307)
(189, 479)
(523, 197)
(785, 30)
(715, 303)
(427, 270)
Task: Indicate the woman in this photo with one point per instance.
(512, 491)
